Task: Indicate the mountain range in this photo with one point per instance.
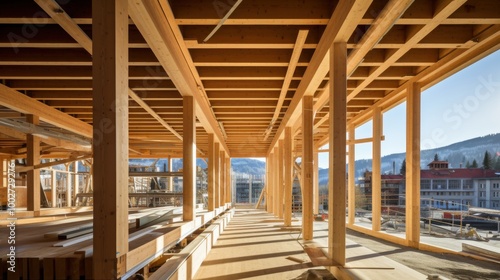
(457, 154)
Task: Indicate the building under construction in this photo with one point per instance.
(87, 85)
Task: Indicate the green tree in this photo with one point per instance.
(402, 171)
(497, 164)
(474, 164)
(487, 163)
(436, 157)
(467, 165)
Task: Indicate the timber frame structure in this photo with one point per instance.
(114, 80)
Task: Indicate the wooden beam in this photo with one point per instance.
(189, 160)
(307, 167)
(110, 144)
(392, 11)
(19, 102)
(299, 44)
(414, 34)
(33, 177)
(52, 163)
(344, 20)
(376, 172)
(156, 23)
(413, 165)
(52, 8)
(337, 171)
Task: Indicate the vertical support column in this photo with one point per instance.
(337, 173)
(76, 181)
(288, 172)
(189, 159)
(413, 165)
(307, 167)
(351, 177)
(69, 186)
(211, 172)
(276, 184)
(110, 141)
(3, 173)
(270, 183)
(54, 188)
(281, 183)
(33, 176)
(376, 177)
(217, 175)
(170, 179)
(229, 182)
(222, 174)
(315, 183)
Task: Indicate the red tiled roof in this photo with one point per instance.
(458, 173)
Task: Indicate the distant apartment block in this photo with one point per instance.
(443, 187)
(247, 187)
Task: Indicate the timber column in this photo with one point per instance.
(351, 185)
(287, 215)
(33, 175)
(281, 182)
(376, 177)
(307, 167)
(337, 182)
(211, 173)
(110, 137)
(413, 165)
(189, 159)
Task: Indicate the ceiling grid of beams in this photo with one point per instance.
(248, 78)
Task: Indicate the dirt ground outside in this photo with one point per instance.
(446, 265)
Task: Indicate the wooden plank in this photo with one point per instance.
(307, 167)
(110, 141)
(288, 176)
(74, 233)
(481, 249)
(189, 159)
(337, 146)
(72, 241)
(413, 165)
(35, 270)
(376, 172)
(49, 268)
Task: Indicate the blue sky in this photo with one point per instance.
(461, 107)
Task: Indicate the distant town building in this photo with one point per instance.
(247, 187)
(443, 187)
